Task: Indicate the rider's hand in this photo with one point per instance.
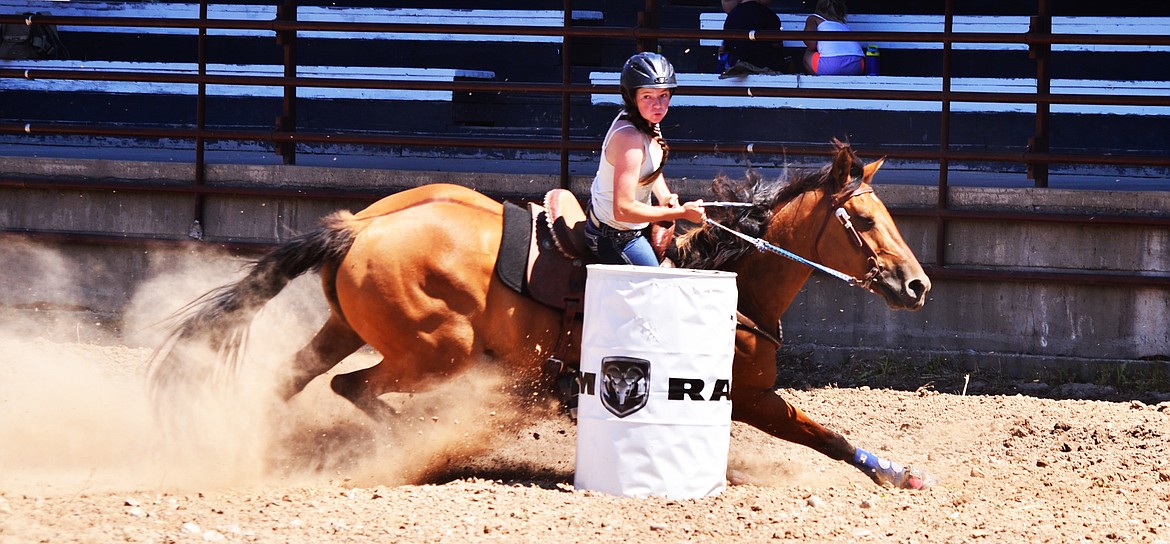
(693, 211)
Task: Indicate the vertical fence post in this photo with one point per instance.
(648, 18)
(196, 229)
(1041, 24)
(287, 121)
(944, 139)
(566, 79)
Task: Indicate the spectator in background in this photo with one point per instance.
(831, 57)
(746, 56)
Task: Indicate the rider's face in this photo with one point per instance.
(653, 103)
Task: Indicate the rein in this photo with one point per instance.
(846, 222)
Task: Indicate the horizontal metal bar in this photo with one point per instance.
(282, 81)
(1035, 217)
(985, 274)
(1112, 99)
(951, 272)
(1027, 38)
(275, 136)
(318, 193)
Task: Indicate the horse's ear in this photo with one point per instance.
(842, 165)
(871, 169)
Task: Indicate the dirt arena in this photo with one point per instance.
(84, 459)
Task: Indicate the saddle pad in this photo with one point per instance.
(512, 262)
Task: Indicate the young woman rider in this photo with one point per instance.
(630, 170)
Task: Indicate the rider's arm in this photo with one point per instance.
(625, 152)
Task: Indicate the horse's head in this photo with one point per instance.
(830, 216)
(859, 236)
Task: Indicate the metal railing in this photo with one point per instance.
(285, 135)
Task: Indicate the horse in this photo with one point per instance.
(413, 276)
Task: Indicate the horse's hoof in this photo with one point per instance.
(899, 477)
(735, 477)
(913, 478)
(890, 474)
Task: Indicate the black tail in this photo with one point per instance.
(221, 317)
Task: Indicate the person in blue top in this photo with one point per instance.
(832, 57)
(629, 177)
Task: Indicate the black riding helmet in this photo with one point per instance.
(646, 71)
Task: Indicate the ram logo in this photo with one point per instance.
(625, 384)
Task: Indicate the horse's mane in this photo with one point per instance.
(712, 248)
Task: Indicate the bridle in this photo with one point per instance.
(837, 209)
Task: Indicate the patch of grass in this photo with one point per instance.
(1133, 378)
(1148, 381)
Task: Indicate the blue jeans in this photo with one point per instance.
(616, 246)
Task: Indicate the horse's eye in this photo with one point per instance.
(863, 223)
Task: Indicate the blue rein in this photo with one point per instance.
(764, 246)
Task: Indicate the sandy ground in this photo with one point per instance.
(86, 455)
(84, 461)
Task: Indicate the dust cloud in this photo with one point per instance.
(77, 413)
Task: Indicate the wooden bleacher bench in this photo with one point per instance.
(474, 17)
(895, 83)
(331, 72)
(1017, 24)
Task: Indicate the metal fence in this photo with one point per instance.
(285, 135)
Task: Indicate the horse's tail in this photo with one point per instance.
(221, 317)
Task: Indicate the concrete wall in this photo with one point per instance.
(986, 322)
(1009, 324)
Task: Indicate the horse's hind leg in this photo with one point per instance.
(335, 341)
(362, 388)
(415, 363)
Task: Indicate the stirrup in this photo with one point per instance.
(566, 384)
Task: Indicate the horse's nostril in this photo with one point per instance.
(916, 289)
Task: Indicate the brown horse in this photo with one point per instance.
(413, 276)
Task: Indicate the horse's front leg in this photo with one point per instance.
(755, 402)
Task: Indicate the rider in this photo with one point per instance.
(630, 171)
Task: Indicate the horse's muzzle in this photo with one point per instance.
(902, 290)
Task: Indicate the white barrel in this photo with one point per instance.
(654, 414)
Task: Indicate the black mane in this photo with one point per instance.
(711, 248)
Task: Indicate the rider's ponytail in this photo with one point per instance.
(654, 132)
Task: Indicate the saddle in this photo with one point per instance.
(543, 255)
(544, 250)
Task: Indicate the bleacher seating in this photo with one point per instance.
(1007, 24)
(407, 56)
(165, 88)
(256, 52)
(753, 114)
(423, 16)
(931, 23)
(240, 105)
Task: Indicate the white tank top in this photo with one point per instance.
(601, 193)
(836, 48)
